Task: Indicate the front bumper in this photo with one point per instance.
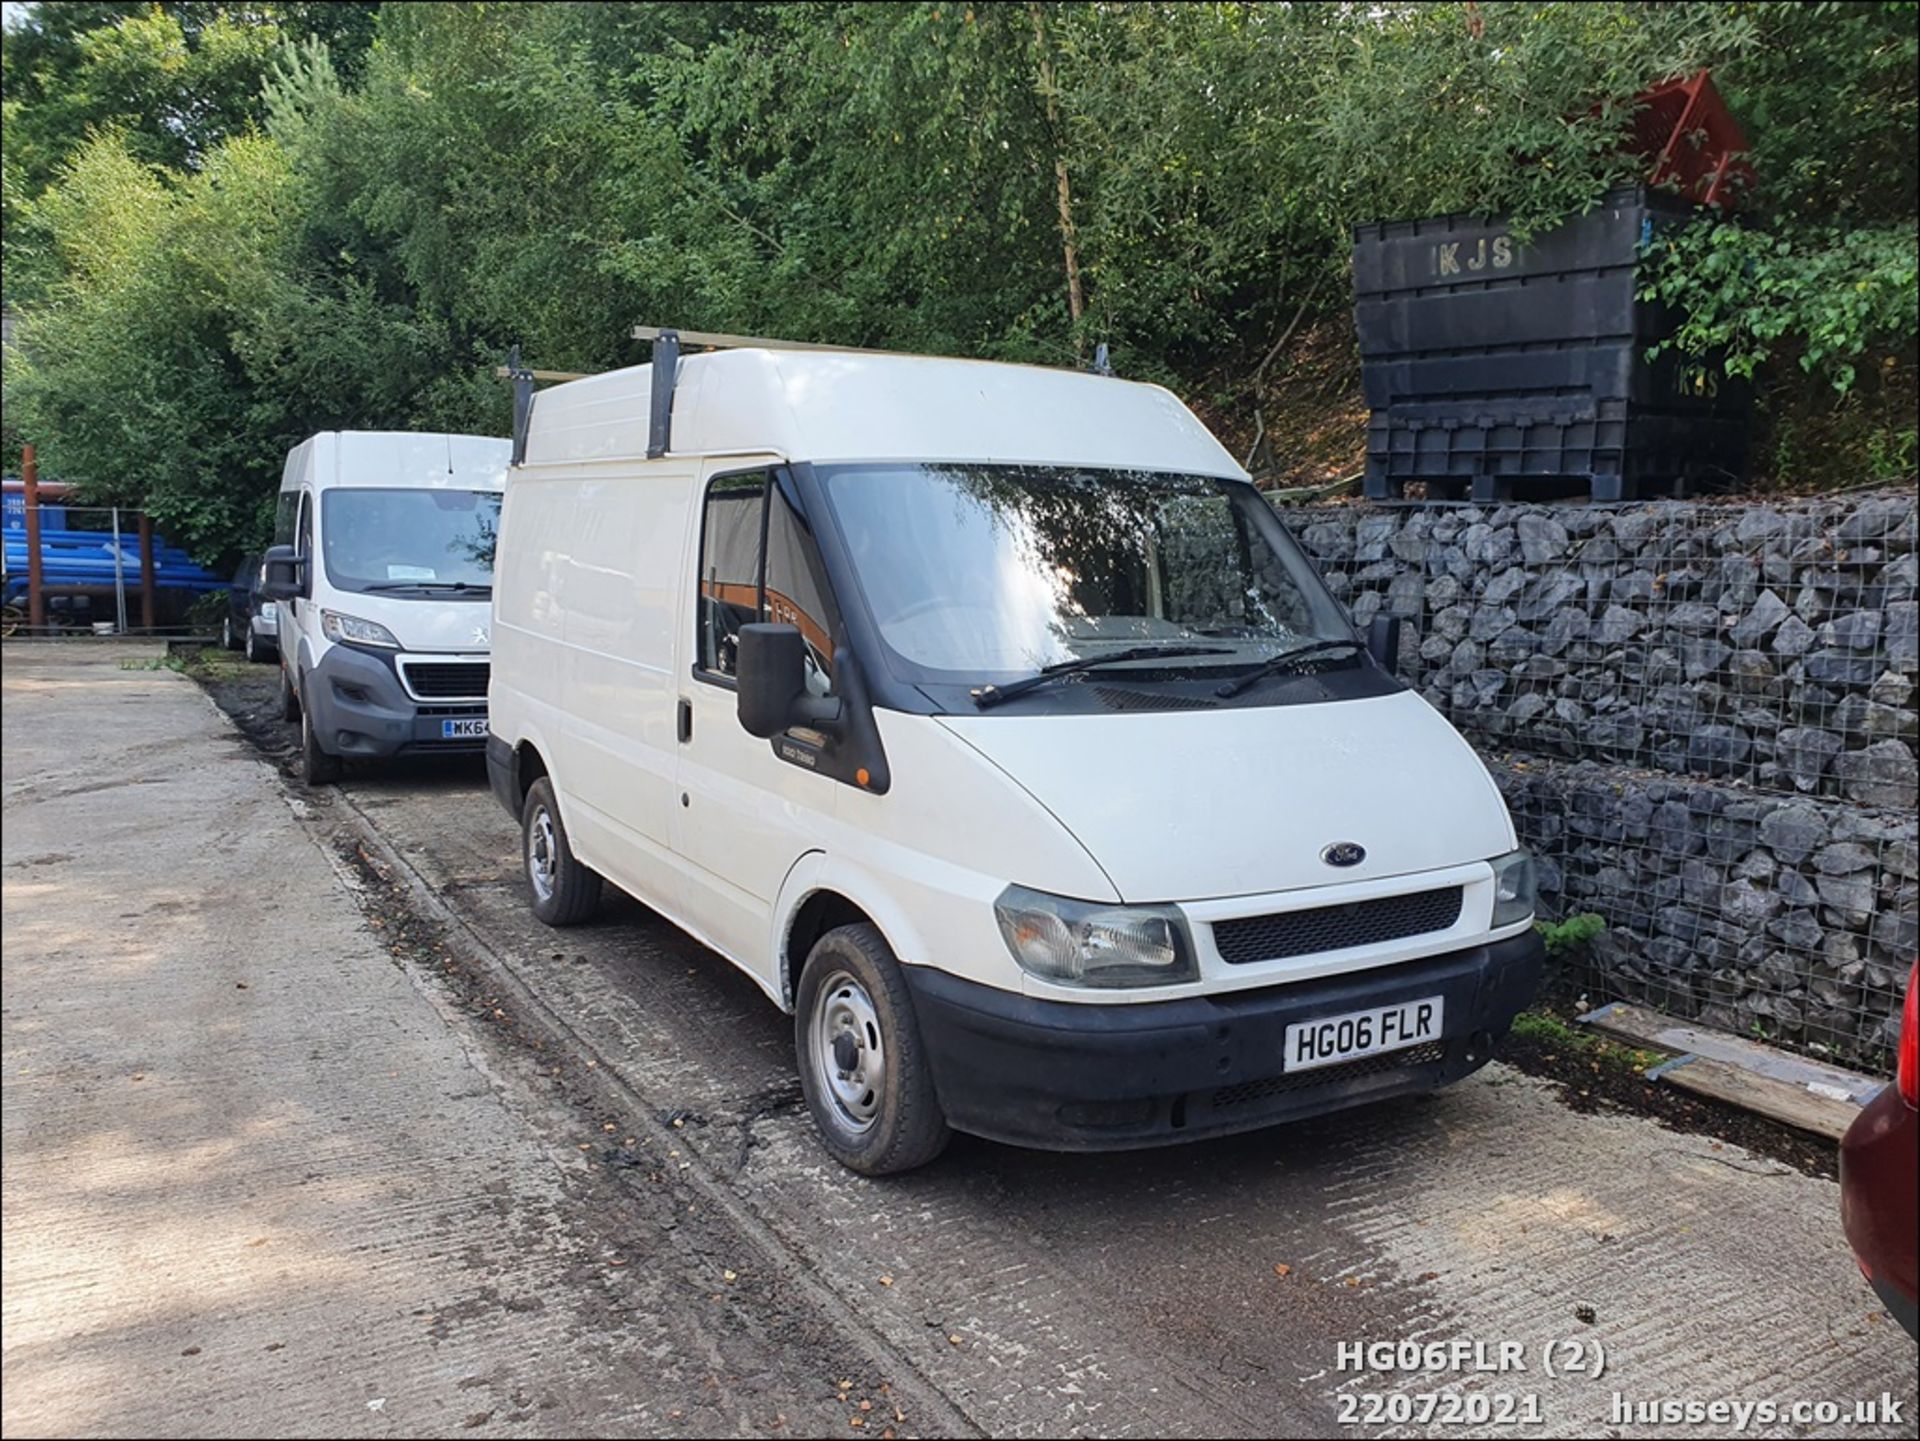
(1072, 1076)
(360, 709)
(1878, 1207)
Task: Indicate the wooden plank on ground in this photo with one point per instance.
(1646, 1027)
(1823, 1115)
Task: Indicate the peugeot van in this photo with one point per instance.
(990, 720)
(383, 570)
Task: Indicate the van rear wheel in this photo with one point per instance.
(863, 1067)
(565, 892)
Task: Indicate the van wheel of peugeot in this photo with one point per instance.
(863, 1068)
(317, 768)
(289, 699)
(565, 892)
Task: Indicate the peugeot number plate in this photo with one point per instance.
(1363, 1033)
(468, 728)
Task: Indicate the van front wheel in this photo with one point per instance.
(317, 767)
(863, 1068)
(564, 891)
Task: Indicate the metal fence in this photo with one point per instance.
(103, 571)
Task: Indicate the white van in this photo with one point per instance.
(989, 719)
(383, 568)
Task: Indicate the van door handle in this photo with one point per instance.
(685, 723)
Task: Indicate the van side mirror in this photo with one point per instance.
(284, 574)
(1383, 641)
(770, 668)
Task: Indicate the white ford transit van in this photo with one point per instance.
(383, 568)
(989, 719)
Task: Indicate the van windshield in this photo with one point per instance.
(413, 541)
(984, 573)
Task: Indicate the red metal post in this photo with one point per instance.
(30, 497)
(146, 571)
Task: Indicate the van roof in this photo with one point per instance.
(860, 406)
(425, 458)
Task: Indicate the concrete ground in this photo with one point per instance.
(363, 1110)
(259, 1181)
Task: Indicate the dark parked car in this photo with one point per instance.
(1878, 1177)
(252, 621)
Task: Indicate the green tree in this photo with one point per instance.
(229, 225)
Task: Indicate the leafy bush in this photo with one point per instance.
(1829, 296)
(1570, 935)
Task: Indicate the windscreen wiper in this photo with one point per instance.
(1285, 661)
(386, 585)
(991, 695)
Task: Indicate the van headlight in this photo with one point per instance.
(1513, 888)
(1085, 943)
(352, 630)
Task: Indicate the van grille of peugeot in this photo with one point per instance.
(447, 679)
(1246, 939)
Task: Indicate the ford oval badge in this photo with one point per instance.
(1344, 853)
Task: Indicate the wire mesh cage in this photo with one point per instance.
(1703, 716)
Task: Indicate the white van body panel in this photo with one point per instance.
(585, 630)
(1178, 806)
(828, 406)
(942, 844)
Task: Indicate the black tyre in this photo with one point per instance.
(317, 768)
(289, 697)
(251, 646)
(863, 1067)
(565, 892)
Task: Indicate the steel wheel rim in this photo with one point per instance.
(226, 633)
(843, 1007)
(542, 854)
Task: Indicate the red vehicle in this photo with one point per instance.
(1878, 1176)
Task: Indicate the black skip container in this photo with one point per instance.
(1493, 366)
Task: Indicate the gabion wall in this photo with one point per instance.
(1703, 715)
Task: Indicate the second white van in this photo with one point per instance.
(990, 720)
(382, 568)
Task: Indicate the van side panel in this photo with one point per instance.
(617, 543)
(529, 659)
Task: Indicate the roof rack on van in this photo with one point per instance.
(523, 380)
(666, 365)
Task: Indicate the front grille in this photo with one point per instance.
(1335, 928)
(1427, 1053)
(446, 679)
